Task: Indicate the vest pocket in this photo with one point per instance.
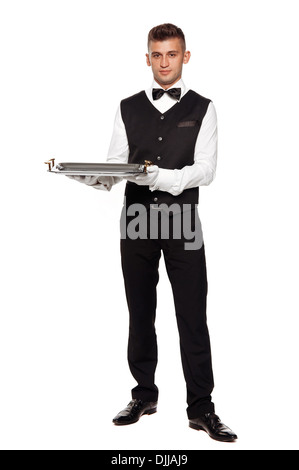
(187, 124)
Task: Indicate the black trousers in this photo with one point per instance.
(187, 274)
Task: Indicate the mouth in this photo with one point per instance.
(164, 72)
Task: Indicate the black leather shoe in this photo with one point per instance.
(134, 410)
(211, 424)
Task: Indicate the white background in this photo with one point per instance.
(65, 65)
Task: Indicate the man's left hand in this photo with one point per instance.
(148, 179)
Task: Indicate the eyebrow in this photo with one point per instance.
(168, 52)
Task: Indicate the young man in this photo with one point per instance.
(176, 129)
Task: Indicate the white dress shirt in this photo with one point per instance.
(201, 173)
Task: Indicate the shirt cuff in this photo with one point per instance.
(168, 180)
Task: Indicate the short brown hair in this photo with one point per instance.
(166, 31)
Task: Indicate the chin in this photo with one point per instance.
(165, 80)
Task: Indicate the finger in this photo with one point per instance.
(131, 178)
(76, 178)
(141, 177)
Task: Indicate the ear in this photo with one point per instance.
(187, 56)
(148, 62)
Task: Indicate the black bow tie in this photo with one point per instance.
(173, 92)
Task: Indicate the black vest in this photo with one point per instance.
(168, 140)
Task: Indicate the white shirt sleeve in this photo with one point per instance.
(118, 152)
(119, 148)
(202, 172)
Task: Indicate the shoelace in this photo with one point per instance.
(135, 403)
(215, 420)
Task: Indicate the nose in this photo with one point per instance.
(164, 61)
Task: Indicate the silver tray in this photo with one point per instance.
(90, 169)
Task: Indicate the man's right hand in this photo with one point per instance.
(98, 182)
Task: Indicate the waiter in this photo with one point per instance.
(176, 129)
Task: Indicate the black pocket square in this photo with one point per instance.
(187, 124)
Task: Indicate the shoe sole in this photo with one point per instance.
(146, 412)
(197, 427)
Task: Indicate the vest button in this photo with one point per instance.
(159, 158)
(160, 138)
(155, 199)
(162, 117)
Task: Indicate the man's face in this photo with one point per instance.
(166, 58)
